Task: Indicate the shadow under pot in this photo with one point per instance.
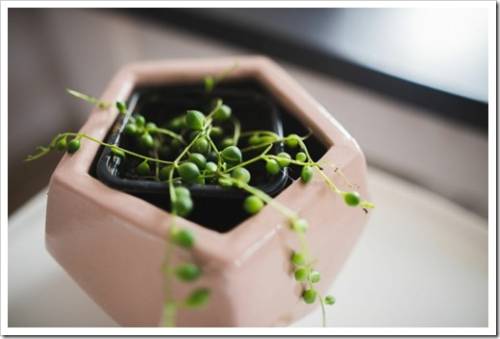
(162, 105)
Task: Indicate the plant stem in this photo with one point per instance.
(90, 99)
(157, 166)
(247, 133)
(329, 182)
(257, 158)
(237, 130)
(218, 78)
(338, 171)
(304, 247)
(208, 122)
(42, 151)
(169, 306)
(295, 162)
(186, 150)
(304, 148)
(323, 312)
(88, 137)
(264, 144)
(167, 132)
(169, 314)
(216, 150)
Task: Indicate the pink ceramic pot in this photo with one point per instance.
(112, 243)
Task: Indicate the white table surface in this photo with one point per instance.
(422, 261)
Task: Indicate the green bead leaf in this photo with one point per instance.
(140, 121)
(241, 174)
(182, 191)
(301, 274)
(272, 167)
(309, 295)
(182, 237)
(298, 258)
(73, 146)
(223, 113)
(146, 140)
(314, 277)
(253, 204)
(284, 159)
(188, 171)
(187, 272)
(306, 173)
(198, 159)
(195, 120)
(198, 298)
(232, 154)
(122, 107)
(62, 144)
(299, 225)
(330, 300)
(130, 129)
(209, 83)
(118, 152)
(292, 140)
(183, 205)
(352, 198)
(151, 127)
(211, 167)
(226, 142)
(143, 168)
(201, 146)
(301, 156)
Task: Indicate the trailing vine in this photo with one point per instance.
(202, 151)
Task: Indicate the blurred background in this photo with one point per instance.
(409, 84)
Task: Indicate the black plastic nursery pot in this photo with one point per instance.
(251, 104)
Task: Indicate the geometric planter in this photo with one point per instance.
(112, 243)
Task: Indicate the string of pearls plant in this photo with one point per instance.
(198, 150)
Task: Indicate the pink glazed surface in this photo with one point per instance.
(112, 243)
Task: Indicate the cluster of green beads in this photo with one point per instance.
(202, 150)
(188, 272)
